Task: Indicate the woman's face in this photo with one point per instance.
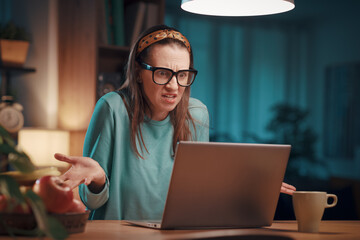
(162, 99)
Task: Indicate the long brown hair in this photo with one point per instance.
(136, 102)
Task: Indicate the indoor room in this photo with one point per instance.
(288, 78)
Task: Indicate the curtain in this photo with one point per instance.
(244, 69)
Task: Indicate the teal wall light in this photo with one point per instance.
(237, 7)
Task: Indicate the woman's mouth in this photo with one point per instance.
(170, 98)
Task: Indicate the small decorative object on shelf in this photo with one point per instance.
(108, 82)
(11, 117)
(14, 45)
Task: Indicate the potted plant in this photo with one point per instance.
(289, 126)
(14, 45)
(19, 205)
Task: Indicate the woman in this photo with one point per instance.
(133, 132)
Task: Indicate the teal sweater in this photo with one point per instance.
(136, 188)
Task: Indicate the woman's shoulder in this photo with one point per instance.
(113, 101)
(196, 103)
(197, 108)
(111, 97)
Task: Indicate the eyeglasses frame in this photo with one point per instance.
(153, 69)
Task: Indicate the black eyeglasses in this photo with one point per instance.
(162, 76)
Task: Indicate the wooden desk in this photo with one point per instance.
(280, 230)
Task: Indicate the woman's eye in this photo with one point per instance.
(182, 75)
(162, 73)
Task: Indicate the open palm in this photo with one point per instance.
(83, 170)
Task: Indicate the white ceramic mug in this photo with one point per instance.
(309, 208)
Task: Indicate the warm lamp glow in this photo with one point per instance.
(42, 144)
(237, 7)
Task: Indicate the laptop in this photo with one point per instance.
(223, 185)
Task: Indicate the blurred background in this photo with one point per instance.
(291, 78)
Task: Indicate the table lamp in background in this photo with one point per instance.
(41, 145)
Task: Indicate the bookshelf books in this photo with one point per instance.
(120, 22)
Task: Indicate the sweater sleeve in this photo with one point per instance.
(94, 200)
(98, 146)
(200, 114)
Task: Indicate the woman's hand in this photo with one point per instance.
(287, 188)
(83, 170)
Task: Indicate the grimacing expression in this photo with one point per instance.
(162, 99)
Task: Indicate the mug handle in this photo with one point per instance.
(334, 197)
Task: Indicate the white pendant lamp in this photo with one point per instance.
(237, 7)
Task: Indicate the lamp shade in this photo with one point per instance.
(237, 7)
(42, 144)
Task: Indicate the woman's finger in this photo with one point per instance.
(69, 174)
(64, 177)
(286, 191)
(287, 188)
(291, 187)
(87, 181)
(68, 159)
(74, 183)
(63, 158)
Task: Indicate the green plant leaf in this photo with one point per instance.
(56, 229)
(6, 149)
(21, 162)
(11, 190)
(6, 136)
(47, 224)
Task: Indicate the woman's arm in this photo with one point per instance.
(91, 172)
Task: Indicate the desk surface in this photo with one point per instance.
(280, 230)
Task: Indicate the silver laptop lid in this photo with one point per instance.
(224, 185)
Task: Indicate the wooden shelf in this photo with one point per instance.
(6, 72)
(113, 50)
(17, 69)
(112, 58)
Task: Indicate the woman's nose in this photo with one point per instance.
(172, 83)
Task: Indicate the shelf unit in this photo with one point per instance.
(6, 73)
(112, 58)
(81, 58)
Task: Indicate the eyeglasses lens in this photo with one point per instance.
(184, 77)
